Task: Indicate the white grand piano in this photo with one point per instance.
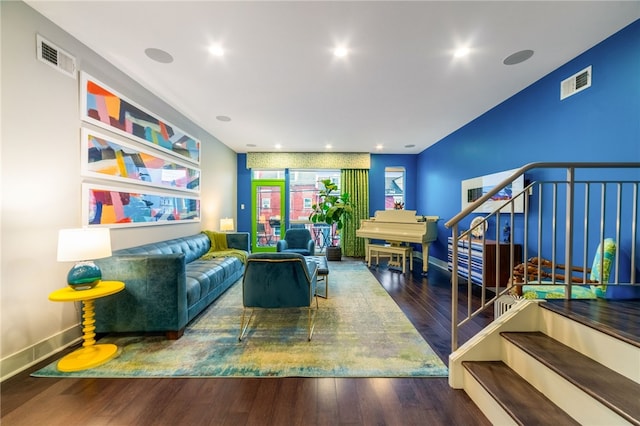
(398, 227)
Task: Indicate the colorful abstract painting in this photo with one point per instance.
(104, 107)
(106, 157)
(104, 205)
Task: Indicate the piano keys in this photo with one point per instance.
(400, 226)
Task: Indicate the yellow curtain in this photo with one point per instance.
(355, 182)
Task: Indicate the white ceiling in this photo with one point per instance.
(279, 83)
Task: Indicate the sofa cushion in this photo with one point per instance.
(203, 276)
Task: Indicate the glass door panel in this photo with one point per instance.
(267, 214)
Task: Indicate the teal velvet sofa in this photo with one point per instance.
(168, 283)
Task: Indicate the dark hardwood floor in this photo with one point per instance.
(265, 401)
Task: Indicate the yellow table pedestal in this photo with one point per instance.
(90, 355)
(87, 357)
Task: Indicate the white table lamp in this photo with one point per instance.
(226, 224)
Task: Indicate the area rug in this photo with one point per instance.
(359, 332)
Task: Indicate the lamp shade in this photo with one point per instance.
(226, 224)
(83, 244)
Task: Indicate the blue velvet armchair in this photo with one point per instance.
(279, 280)
(297, 240)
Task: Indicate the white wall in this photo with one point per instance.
(41, 182)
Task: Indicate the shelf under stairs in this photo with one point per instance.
(539, 363)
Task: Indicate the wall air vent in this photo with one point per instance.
(55, 57)
(575, 83)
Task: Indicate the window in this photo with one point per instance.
(303, 191)
(394, 187)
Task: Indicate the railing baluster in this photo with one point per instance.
(585, 242)
(634, 228)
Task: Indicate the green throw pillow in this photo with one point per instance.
(603, 259)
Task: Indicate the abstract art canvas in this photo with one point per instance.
(104, 107)
(107, 157)
(104, 205)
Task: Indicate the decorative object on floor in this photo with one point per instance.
(279, 281)
(83, 245)
(297, 240)
(90, 355)
(333, 210)
(360, 332)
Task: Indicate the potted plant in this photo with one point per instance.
(332, 209)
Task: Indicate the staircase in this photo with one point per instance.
(540, 363)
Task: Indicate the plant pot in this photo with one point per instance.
(334, 253)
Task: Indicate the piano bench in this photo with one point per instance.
(402, 252)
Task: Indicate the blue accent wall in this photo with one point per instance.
(244, 194)
(601, 123)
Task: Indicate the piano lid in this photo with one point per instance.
(401, 216)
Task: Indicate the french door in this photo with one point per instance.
(267, 213)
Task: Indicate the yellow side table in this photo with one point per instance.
(90, 355)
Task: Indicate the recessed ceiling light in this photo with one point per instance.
(379, 147)
(518, 57)
(461, 52)
(223, 118)
(278, 146)
(328, 146)
(216, 50)
(340, 52)
(158, 55)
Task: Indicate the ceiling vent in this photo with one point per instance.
(575, 83)
(53, 56)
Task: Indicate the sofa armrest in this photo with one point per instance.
(154, 298)
(239, 240)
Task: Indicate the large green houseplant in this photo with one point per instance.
(332, 208)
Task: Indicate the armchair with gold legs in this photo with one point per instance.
(279, 280)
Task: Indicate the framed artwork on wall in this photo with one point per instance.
(106, 108)
(108, 157)
(121, 207)
(473, 189)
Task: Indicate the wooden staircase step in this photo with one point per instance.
(616, 318)
(524, 403)
(612, 389)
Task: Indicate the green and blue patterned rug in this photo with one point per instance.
(359, 332)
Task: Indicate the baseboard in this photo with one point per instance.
(438, 263)
(20, 361)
